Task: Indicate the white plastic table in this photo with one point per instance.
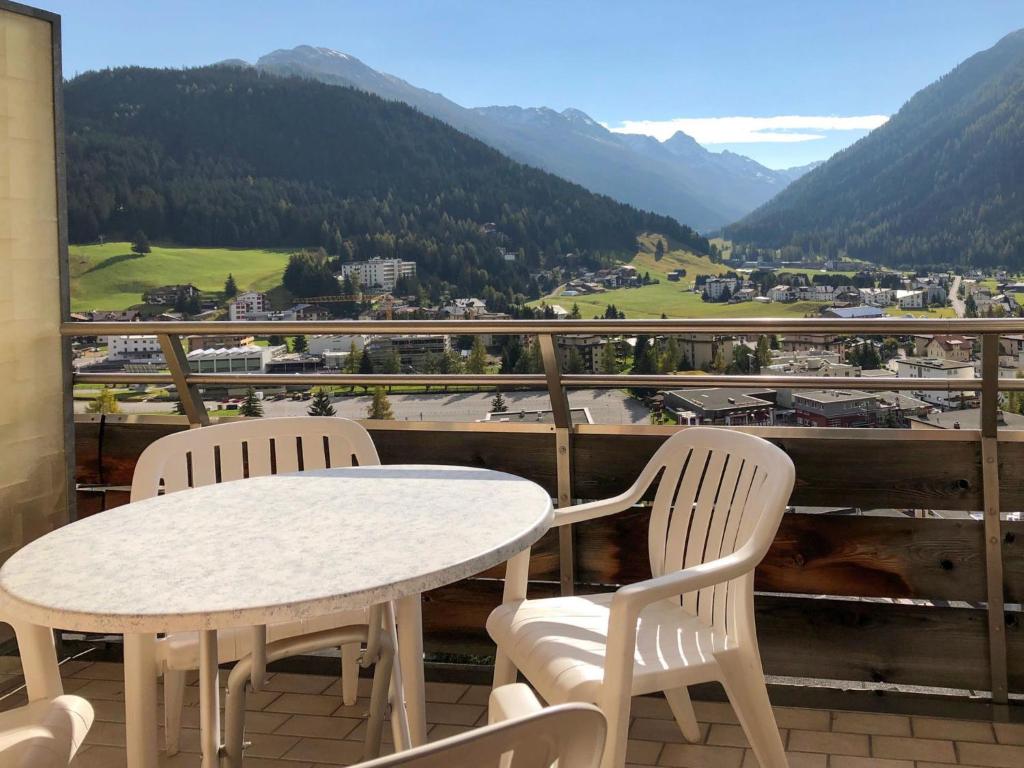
(262, 551)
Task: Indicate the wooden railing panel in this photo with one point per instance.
(828, 639)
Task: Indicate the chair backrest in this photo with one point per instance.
(250, 448)
(718, 489)
(572, 734)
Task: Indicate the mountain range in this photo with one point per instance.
(942, 182)
(235, 156)
(678, 177)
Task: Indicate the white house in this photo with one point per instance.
(460, 309)
(938, 368)
(246, 304)
(782, 293)
(251, 359)
(911, 299)
(876, 297)
(135, 349)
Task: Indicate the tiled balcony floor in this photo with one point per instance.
(299, 722)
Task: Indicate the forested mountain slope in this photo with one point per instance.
(941, 182)
(232, 156)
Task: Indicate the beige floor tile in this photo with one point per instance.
(829, 743)
(1009, 733)
(643, 751)
(107, 734)
(476, 694)
(796, 760)
(362, 689)
(726, 735)
(846, 761)
(255, 702)
(73, 667)
(712, 712)
(109, 711)
(876, 725)
(264, 722)
(302, 704)
(99, 670)
(802, 719)
(902, 748)
(289, 683)
(269, 744)
(957, 730)
(318, 726)
(359, 733)
(108, 690)
(652, 729)
(330, 751)
(700, 756)
(100, 757)
(653, 707)
(454, 714)
(994, 755)
(446, 693)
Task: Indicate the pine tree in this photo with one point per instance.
(659, 250)
(230, 287)
(575, 313)
(763, 354)
(365, 363)
(393, 363)
(718, 363)
(498, 404)
(670, 358)
(251, 405)
(609, 360)
(105, 402)
(321, 403)
(353, 359)
(140, 243)
(299, 344)
(179, 408)
(477, 362)
(574, 361)
(380, 407)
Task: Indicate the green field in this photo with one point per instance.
(110, 276)
(671, 298)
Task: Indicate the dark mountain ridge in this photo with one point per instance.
(233, 156)
(941, 182)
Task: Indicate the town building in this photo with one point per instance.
(248, 358)
(308, 312)
(864, 312)
(464, 309)
(836, 408)
(722, 406)
(377, 272)
(910, 299)
(215, 342)
(700, 348)
(294, 362)
(716, 287)
(938, 368)
(588, 347)
(135, 349)
(949, 347)
(168, 294)
(247, 304)
(876, 297)
(969, 418)
(412, 349)
(337, 342)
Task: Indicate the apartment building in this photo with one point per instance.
(412, 349)
(135, 349)
(836, 408)
(377, 272)
(938, 368)
(247, 304)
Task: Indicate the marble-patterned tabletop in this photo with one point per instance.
(272, 549)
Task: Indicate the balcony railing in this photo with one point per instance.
(947, 582)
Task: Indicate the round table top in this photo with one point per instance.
(273, 549)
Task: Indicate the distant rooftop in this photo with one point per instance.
(969, 418)
(834, 395)
(724, 398)
(937, 363)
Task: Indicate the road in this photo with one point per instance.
(605, 406)
(954, 297)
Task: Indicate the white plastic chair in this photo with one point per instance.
(233, 451)
(48, 731)
(521, 735)
(720, 498)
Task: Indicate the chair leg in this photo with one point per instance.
(349, 674)
(744, 684)
(378, 702)
(174, 700)
(505, 672)
(682, 709)
(617, 714)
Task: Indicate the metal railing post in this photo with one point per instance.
(563, 457)
(188, 394)
(993, 533)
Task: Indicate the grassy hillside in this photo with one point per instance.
(671, 298)
(110, 276)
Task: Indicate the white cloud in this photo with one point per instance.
(750, 130)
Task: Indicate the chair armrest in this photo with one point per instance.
(630, 599)
(508, 702)
(577, 513)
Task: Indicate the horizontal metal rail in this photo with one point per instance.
(733, 326)
(538, 381)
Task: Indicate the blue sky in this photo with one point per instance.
(643, 66)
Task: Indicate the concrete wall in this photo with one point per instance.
(33, 464)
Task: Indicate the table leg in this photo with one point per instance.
(410, 654)
(140, 700)
(38, 661)
(209, 699)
